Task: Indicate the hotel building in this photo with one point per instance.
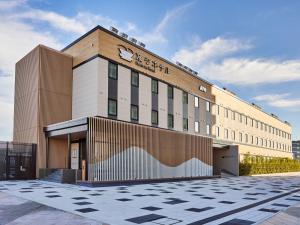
(107, 107)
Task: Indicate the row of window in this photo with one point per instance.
(253, 140)
(254, 123)
(134, 110)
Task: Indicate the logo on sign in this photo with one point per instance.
(202, 88)
(126, 53)
(142, 60)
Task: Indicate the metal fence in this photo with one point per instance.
(17, 161)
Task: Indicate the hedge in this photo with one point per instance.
(262, 165)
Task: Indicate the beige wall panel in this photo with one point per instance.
(227, 100)
(178, 117)
(191, 113)
(26, 136)
(145, 96)
(102, 87)
(162, 105)
(124, 84)
(85, 90)
(58, 153)
(253, 150)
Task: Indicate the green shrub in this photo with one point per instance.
(261, 165)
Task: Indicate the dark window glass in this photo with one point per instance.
(112, 70)
(112, 107)
(185, 98)
(134, 78)
(170, 121)
(170, 92)
(154, 86)
(185, 124)
(154, 117)
(134, 112)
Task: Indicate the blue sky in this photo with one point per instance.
(251, 47)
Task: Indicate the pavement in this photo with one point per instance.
(227, 201)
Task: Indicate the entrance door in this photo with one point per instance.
(75, 156)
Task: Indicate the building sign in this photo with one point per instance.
(202, 88)
(143, 61)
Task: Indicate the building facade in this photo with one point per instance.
(109, 107)
(296, 150)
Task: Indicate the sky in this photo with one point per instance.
(250, 47)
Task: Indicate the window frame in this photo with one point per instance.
(152, 82)
(137, 107)
(172, 117)
(138, 78)
(108, 109)
(183, 124)
(154, 111)
(110, 77)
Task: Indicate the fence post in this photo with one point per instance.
(7, 161)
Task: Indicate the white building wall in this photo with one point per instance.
(124, 87)
(102, 87)
(85, 86)
(178, 110)
(162, 105)
(145, 96)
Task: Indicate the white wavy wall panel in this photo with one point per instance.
(125, 151)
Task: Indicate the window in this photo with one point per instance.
(112, 70)
(252, 123)
(226, 113)
(154, 86)
(154, 117)
(241, 118)
(197, 126)
(256, 140)
(226, 133)
(241, 137)
(185, 124)
(134, 78)
(218, 131)
(170, 92)
(246, 120)
(246, 138)
(233, 135)
(252, 139)
(112, 107)
(208, 106)
(196, 102)
(134, 112)
(208, 129)
(233, 115)
(170, 121)
(218, 109)
(185, 97)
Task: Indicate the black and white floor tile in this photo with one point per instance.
(229, 201)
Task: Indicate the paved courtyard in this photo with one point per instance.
(237, 200)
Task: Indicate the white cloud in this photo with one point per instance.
(243, 71)
(157, 35)
(214, 59)
(213, 49)
(6, 120)
(279, 101)
(6, 5)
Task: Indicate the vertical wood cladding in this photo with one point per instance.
(43, 95)
(125, 151)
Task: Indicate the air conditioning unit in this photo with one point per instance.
(114, 30)
(133, 40)
(123, 35)
(141, 44)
